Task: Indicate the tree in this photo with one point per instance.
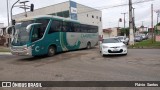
(158, 24)
(125, 31)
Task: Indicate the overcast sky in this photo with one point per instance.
(109, 16)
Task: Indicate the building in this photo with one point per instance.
(69, 9)
(142, 30)
(1, 25)
(111, 32)
(3, 37)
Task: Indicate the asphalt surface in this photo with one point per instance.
(83, 65)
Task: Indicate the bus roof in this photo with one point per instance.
(56, 17)
(46, 16)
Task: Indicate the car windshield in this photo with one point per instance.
(21, 36)
(111, 40)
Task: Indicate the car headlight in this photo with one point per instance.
(124, 46)
(105, 46)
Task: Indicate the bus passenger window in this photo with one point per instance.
(56, 26)
(66, 27)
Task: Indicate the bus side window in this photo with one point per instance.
(76, 27)
(83, 28)
(64, 27)
(56, 26)
(67, 27)
(72, 27)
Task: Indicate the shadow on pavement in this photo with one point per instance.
(33, 58)
(114, 56)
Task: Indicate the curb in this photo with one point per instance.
(5, 53)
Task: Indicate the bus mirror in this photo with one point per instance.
(9, 29)
(28, 28)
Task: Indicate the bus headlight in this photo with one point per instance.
(25, 49)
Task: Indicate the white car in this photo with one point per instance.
(124, 39)
(112, 46)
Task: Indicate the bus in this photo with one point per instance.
(48, 35)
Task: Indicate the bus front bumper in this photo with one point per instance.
(21, 50)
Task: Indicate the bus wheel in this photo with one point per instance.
(51, 51)
(88, 45)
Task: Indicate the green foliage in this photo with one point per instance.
(145, 32)
(158, 24)
(125, 31)
(146, 44)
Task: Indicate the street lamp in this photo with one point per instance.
(24, 7)
(12, 9)
(7, 12)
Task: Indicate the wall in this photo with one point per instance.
(90, 16)
(112, 34)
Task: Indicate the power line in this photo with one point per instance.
(104, 7)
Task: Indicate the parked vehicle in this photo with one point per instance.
(138, 38)
(124, 39)
(143, 36)
(112, 46)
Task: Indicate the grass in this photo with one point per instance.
(4, 49)
(146, 44)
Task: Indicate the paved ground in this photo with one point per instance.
(83, 65)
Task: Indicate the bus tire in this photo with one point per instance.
(88, 45)
(51, 51)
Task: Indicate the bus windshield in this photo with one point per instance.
(21, 36)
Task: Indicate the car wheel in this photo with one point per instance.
(51, 51)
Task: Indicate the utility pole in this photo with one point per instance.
(134, 28)
(12, 9)
(131, 35)
(152, 23)
(125, 23)
(8, 12)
